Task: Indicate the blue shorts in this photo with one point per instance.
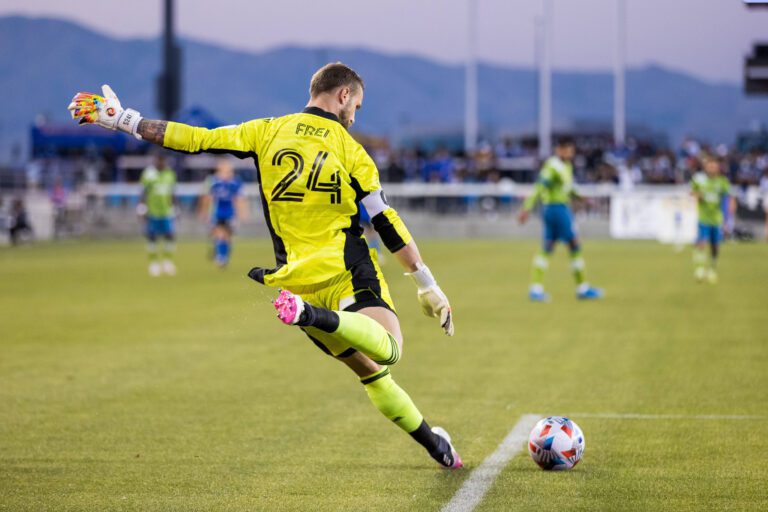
(558, 223)
(709, 233)
(159, 226)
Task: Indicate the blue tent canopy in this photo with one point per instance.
(51, 139)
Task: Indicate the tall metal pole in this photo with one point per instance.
(169, 80)
(543, 40)
(168, 109)
(470, 79)
(619, 86)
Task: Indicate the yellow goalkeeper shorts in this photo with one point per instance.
(362, 286)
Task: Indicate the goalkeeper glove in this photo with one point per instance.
(105, 111)
(433, 301)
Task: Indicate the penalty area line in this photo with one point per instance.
(474, 488)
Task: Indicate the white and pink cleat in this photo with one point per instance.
(289, 307)
(454, 461)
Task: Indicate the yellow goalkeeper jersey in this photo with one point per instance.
(312, 175)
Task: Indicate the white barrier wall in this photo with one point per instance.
(456, 210)
(668, 215)
(39, 214)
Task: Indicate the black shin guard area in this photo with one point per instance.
(320, 318)
(426, 438)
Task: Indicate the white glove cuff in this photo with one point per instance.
(422, 277)
(129, 122)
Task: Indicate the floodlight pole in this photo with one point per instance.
(543, 46)
(619, 85)
(470, 81)
(169, 79)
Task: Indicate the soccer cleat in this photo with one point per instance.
(169, 268)
(538, 296)
(589, 293)
(712, 276)
(446, 460)
(155, 269)
(289, 307)
(700, 274)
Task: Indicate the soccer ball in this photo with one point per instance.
(556, 443)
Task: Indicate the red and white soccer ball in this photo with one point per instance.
(556, 443)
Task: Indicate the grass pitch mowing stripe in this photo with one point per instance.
(480, 480)
(123, 392)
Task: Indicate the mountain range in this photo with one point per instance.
(43, 62)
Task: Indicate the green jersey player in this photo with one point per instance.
(554, 188)
(157, 207)
(712, 191)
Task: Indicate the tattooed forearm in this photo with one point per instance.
(152, 130)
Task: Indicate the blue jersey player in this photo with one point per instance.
(370, 233)
(554, 188)
(221, 204)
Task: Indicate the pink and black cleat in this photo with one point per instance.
(289, 307)
(452, 461)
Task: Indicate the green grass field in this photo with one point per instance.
(123, 392)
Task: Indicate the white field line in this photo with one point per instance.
(472, 491)
(635, 416)
(474, 488)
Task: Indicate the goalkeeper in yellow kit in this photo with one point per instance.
(312, 175)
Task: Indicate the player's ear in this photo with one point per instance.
(344, 94)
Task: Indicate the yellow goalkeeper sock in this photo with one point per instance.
(392, 401)
(356, 330)
(368, 336)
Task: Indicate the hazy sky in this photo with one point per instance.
(708, 38)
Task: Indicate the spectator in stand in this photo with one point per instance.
(661, 171)
(484, 168)
(394, 172)
(628, 174)
(690, 148)
(440, 168)
(749, 171)
(20, 227)
(411, 162)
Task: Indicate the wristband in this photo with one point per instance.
(129, 122)
(422, 277)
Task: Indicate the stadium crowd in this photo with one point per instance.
(596, 162)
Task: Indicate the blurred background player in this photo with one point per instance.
(221, 204)
(764, 199)
(157, 207)
(374, 242)
(554, 188)
(58, 196)
(312, 175)
(710, 188)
